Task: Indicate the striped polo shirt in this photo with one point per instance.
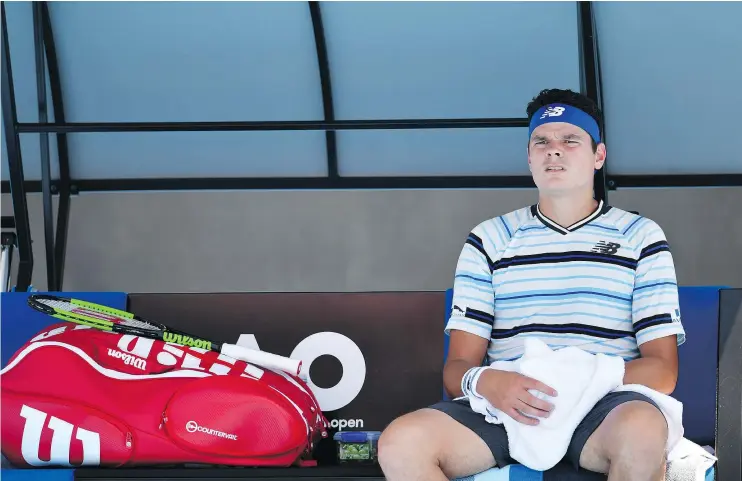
(605, 284)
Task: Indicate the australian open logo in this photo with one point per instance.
(552, 112)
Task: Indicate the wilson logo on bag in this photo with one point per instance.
(60, 450)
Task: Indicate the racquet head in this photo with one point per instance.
(94, 315)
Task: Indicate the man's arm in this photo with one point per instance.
(472, 313)
(657, 367)
(656, 313)
(465, 351)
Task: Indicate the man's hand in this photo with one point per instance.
(508, 392)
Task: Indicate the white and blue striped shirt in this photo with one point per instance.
(606, 284)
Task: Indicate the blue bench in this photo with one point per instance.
(696, 386)
(16, 334)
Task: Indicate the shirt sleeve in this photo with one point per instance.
(655, 306)
(473, 305)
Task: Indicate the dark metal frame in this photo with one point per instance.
(729, 387)
(62, 188)
(293, 183)
(590, 84)
(328, 105)
(389, 124)
(46, 60)
(15, 166)
(65, 186)
(678, 180)
(44, 147)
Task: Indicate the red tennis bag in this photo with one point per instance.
(76, 396)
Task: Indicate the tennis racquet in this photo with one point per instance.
(114, 320)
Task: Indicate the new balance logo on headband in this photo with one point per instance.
(553, 112)
(565, 114)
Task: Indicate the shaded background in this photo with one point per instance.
(669, 75)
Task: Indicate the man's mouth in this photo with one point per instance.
(554, 168)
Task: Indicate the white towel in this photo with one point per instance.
(688, 462)
(581, 379)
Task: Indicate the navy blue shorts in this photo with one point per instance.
(496, 438)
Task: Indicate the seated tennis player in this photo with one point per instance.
(570, 271)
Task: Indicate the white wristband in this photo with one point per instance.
(469, 381)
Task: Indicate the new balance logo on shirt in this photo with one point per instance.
(606, 247)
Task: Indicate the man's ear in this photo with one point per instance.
(600, 154)
(528, 156)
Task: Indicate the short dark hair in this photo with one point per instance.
(561, 96)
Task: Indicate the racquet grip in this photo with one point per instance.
(261, 358)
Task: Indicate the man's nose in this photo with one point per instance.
(554, 152)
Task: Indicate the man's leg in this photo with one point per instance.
(431, 445)
(629, 441)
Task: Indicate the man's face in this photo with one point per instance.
(561, 158)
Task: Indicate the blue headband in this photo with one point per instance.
(565, 113)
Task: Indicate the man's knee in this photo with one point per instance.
(427, 444)
(407, 437)
(638, 428)
(633, 434)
